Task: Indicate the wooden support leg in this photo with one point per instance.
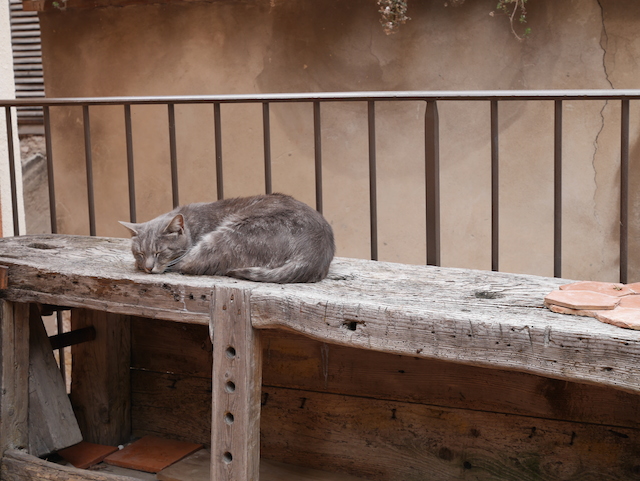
(52, 424)
(237, 382)
(14, 375)
(100, 380)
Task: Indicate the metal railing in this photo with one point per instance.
(431, 155)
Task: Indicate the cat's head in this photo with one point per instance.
(156, 245)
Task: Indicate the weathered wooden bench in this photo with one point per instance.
(383, 370)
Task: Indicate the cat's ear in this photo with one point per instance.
(133, 228)
(175, 226)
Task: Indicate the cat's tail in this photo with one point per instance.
(290, 272)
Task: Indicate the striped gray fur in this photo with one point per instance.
(265, 238)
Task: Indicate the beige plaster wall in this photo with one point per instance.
(8, 91)
(232, 47)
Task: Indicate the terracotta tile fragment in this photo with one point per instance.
(573, 312)
(622, 317)
(609, 288)
(152, 454)
(84, 455)
(635, 287)
(632, 301)
(578, 299)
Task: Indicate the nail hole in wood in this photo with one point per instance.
(227, 457)
(351, 325)
(231, 352)
(230, 386)
(228, 418)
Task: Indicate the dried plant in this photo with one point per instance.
(394, 14)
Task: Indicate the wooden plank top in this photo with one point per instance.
(474, 317)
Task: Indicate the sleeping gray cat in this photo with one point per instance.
(266, 238)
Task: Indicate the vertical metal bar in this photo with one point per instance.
(432, 181)
(174, 154)
(12, 172)
(373, 201)
(266, 128)
(557, 190)
(61, 354)
(495, 197)
(624, 192)
(317, 149)
(130, 166)
(89, 169)
(218, 141)
(50, 177)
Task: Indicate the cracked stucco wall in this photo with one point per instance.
(332, 45)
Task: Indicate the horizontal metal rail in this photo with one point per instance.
(470, 95)
(432, 140)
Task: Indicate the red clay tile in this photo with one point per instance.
(630, 301)
(622, 317)
(578, 299)
(609, 288)
(84, 455)
(573, 312)
(635, 287)
(152, 454)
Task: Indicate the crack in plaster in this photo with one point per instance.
(604, 41)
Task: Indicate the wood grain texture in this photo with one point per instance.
(391, 440)
(474, 317)
(171, 347)
(52, 423)
(236, 388)
(14, 375)
(166, 404)
(20, 466)
(100, 386)
(168, 357)
(388, 441)
(297, 362)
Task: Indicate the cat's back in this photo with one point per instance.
(273, 208)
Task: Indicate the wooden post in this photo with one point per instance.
(236, 388)
(100, 380)
(14, 375)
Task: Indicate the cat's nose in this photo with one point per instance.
(149, 263)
